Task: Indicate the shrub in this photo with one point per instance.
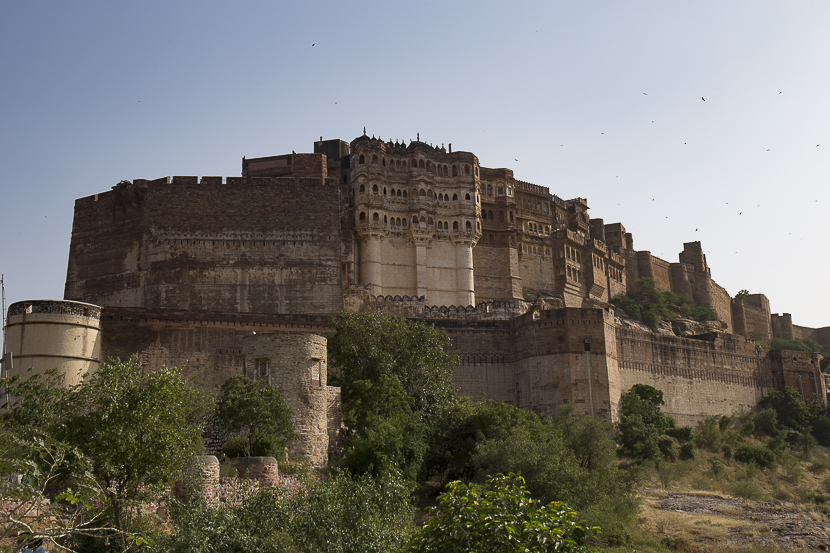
(766, 422)
(762, 456)
(746, 490)
(499, 516)
(709, 433)
(682, 434)
(718, 468)
(727, 451)
(688, 451)
(666, 445)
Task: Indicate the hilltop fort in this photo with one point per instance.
(188, 269)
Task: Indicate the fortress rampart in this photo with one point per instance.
(185, 269)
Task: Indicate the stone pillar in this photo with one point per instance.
(261, 469)
(370, 262)
(201, 479)
(464, 271)
(422, 240)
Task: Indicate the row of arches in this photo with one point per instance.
(488, 214)
(422, 193)
(500, 189)
(533, 249)
(417, 221)
(402, 165)
(530, 226)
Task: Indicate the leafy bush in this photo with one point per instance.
(766, 422)
(646, 303)
(709, 433)
(682, 434)
(499, 516)
(688, 451)
(762, 456)
(805, 345)
(340, 515)
(666, 445)
(727, 451)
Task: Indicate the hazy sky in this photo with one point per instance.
(602, 100)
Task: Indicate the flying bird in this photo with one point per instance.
(779, 93)
(695, 230)
(702, 98)
(768, 149)
(312, 44)
(644, 94)
(514, 159)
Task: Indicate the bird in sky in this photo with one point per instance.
(702, 98)
(312, 44)
(514, 159)
(695, 230)
(644, 94)
(768, 149)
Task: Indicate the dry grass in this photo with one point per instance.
(731, 528)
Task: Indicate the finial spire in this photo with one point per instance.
(364, 129)
(418, 137)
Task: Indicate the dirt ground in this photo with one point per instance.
(704, 518)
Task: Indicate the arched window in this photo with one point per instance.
(467, 197)
(429, 221)
(361, 160)
(398, 165)
(446, 225)
(414, 220)
(404, 193)
(420, 164)
(399, 193)
(374, 160)
(455, 197)
(455, 225)
(384, 220)
(422, 193)
(362, 217)
(375, 189)
(489, 189)
(423, 220)
(468, 226)
(483, 213)
(384, 191)
(490, 214)
(455, 170)
(511, 216)
(446, 171)
(375, 218)
(501, 191)
(362, 188)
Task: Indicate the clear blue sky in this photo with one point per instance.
(601, 100)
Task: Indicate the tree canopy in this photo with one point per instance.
(254, 415)
(499, 516)
(136, 429)
(646, 303)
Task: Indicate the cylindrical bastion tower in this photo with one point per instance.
(49, 334)
(296, 364)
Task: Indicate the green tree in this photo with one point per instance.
(255, 415)
(367, 347)
(30, 513)
(137, 429)
(641, 421)
(395, 379)
(499, 516)
(742, 294)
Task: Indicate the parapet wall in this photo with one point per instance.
(257, 245)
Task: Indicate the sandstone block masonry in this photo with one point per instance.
(185, 268)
